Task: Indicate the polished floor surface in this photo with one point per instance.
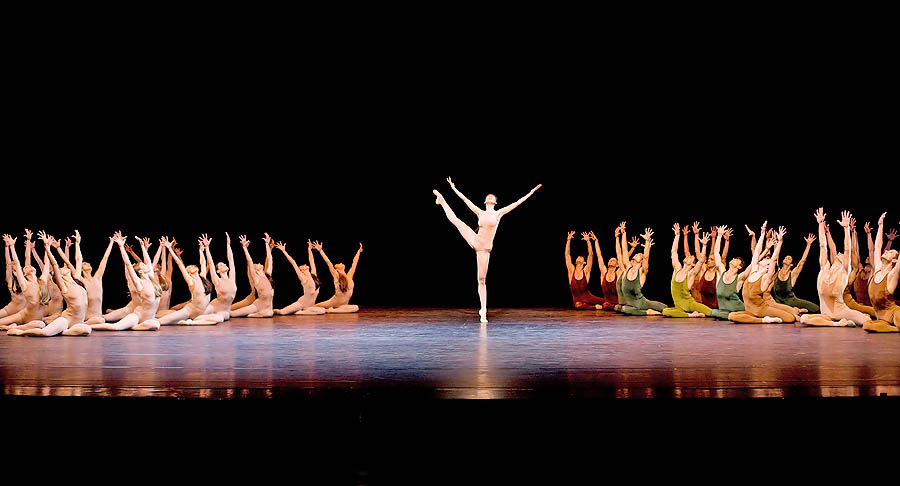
(440, 353)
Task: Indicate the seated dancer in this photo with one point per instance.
(199, 286)
(260, 281)
(145, 292)
(219, 310)
(683, 275)
(728, 282)
(608, 277)
(634, 275)
(861, 284)
(203, 270)
(54, 306)
(343, 284)
(93, 283)
(703, 289)
(35, 290)
(580, 277)
(855, 275)
(306, 304)
(786, 279)
(882, 286)
(758, 307)
(615, 271)
(118, 314)
(832, 281)
(17, 301)
(71, 321)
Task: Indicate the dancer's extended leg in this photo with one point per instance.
(55, 327)
(344, 309)
(464, 229)
(313, 311)
(244, 311)
(173, 317)
(125, 323)
(291, 309)
(148, 325)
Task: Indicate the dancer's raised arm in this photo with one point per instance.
(845, 222)
(29, 246)
(601, 262)
(758, 245)
(475, 209)
(796, 271)
(648, 242)
(232, 272)
(620, 259)
(891, 236)
(624, 245)
(312, 261)
(717, 258)
(269, 245)
(516, 204)
(184, 272)
(20, 277)
(204, 242)
(79, 258)
(283, 247)
(355, 261)
(203, 267)
(823, 239)
(130, 274)
(779, 237)
(569, 267)
(8, 260)
(676, 263)
(318, 246)
(870, 244)
(60, 282)
(696, 230)
(879, 240)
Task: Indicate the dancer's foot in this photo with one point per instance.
(483, 314)
(598, 307)
(847, 323)
(652, 312)
(440, 199)
(696, 314)
(772, 320)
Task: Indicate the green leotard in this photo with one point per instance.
(635, 302)
(729, 300)
(783, 291)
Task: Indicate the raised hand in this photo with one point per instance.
(810, 239)
(584, 236)
(570, 235)
(677, 229)
(592, 235)
(317, 246)
(845, 219)
(244, 241)
(28, 233)
(647, 234)
(205, 240)
(43, 236)
(696, 227)
(451, 183)
(891, 235)
(634, 241)
(820, 215)
(360, 248)
(749, 231)
(781, 232)
(867, 228)
(281, 246)
(705, 238)
(880, 220)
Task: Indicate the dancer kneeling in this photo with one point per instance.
(683, 279)
(832, 280)
(882, 286)
(219, 310)
(343, 284)
(580, 276)
(199, 286)
(71, 321)
(634, 274)
(260, 281)
(758, 309)
(145, 292)
(305, 305)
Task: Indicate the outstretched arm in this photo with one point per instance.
(879, 239)
(203, 268)
(130, 274)
(52, 261)
(848, 243)
(79, 258)
(799, 268)
(627, 262)
(281, 246)
(20, 277)
(471, 206)
(184, 272)
(29, 246)
(648, 242)
(232, 273)
(318, 246)
(269, 245)
(697, 240)
(676, 265)
(832, 248)
(823, 240)
(204, 244)
(9, 268)
(520, 201)
(245, 243)
(589, 265)
(619, 253)
(780, 238)
(758, 247)
(601, 262)
(717, 257)
(355, 261)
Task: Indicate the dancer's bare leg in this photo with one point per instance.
(123, 324)
(344, 309)
(148, 325)
(464, 229)
(55, 327)
(81, 329)
(210, 319)
(118, 314)
(173, 317)
(244, 311)
(291, 309)
(821, 320)
(484, 257)
(314, 311)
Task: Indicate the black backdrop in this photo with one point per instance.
(347, 148)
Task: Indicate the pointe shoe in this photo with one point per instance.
(772, 320)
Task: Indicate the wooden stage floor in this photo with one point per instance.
(440, 353)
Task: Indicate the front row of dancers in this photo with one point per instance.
(68, 300)
(708, 287)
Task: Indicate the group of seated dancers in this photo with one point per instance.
(68, 299)
(851, 294)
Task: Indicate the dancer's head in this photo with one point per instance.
(192, 269)
(340, 268)
(29, 272)
(490, 200)
(613, 263)
(222, 268)
(689, 260)
(579, 262)
(637, 258)
(764, 264)
(736, 263)
(86, 268)
(788, 261)
(889, 257)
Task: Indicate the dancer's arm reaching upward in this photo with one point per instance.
(620, 259)
(823, 240)
(355, 261)
(648, 242)
(269, 245)
(283, 247)
(318, 246)
(676, 263)
(569, 267)
(516, 204)
(475, 209)
(601, 263)
(312, 261)
(799, 268)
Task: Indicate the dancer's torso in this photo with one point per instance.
(487, 227)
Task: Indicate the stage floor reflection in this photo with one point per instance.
(441, 353)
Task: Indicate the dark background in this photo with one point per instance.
(342, 138)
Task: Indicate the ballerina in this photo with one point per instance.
(306, 304)
(343, 284)
(729, 282)
(261, 283)
(93, 282)
(634, 275)
(580, 275)
(482, 241)
(199, 286)
(145, 292)
(35, 290)
(219, 310)
(683, 275)
(17, 298)
(883, 285)
(71, 321)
